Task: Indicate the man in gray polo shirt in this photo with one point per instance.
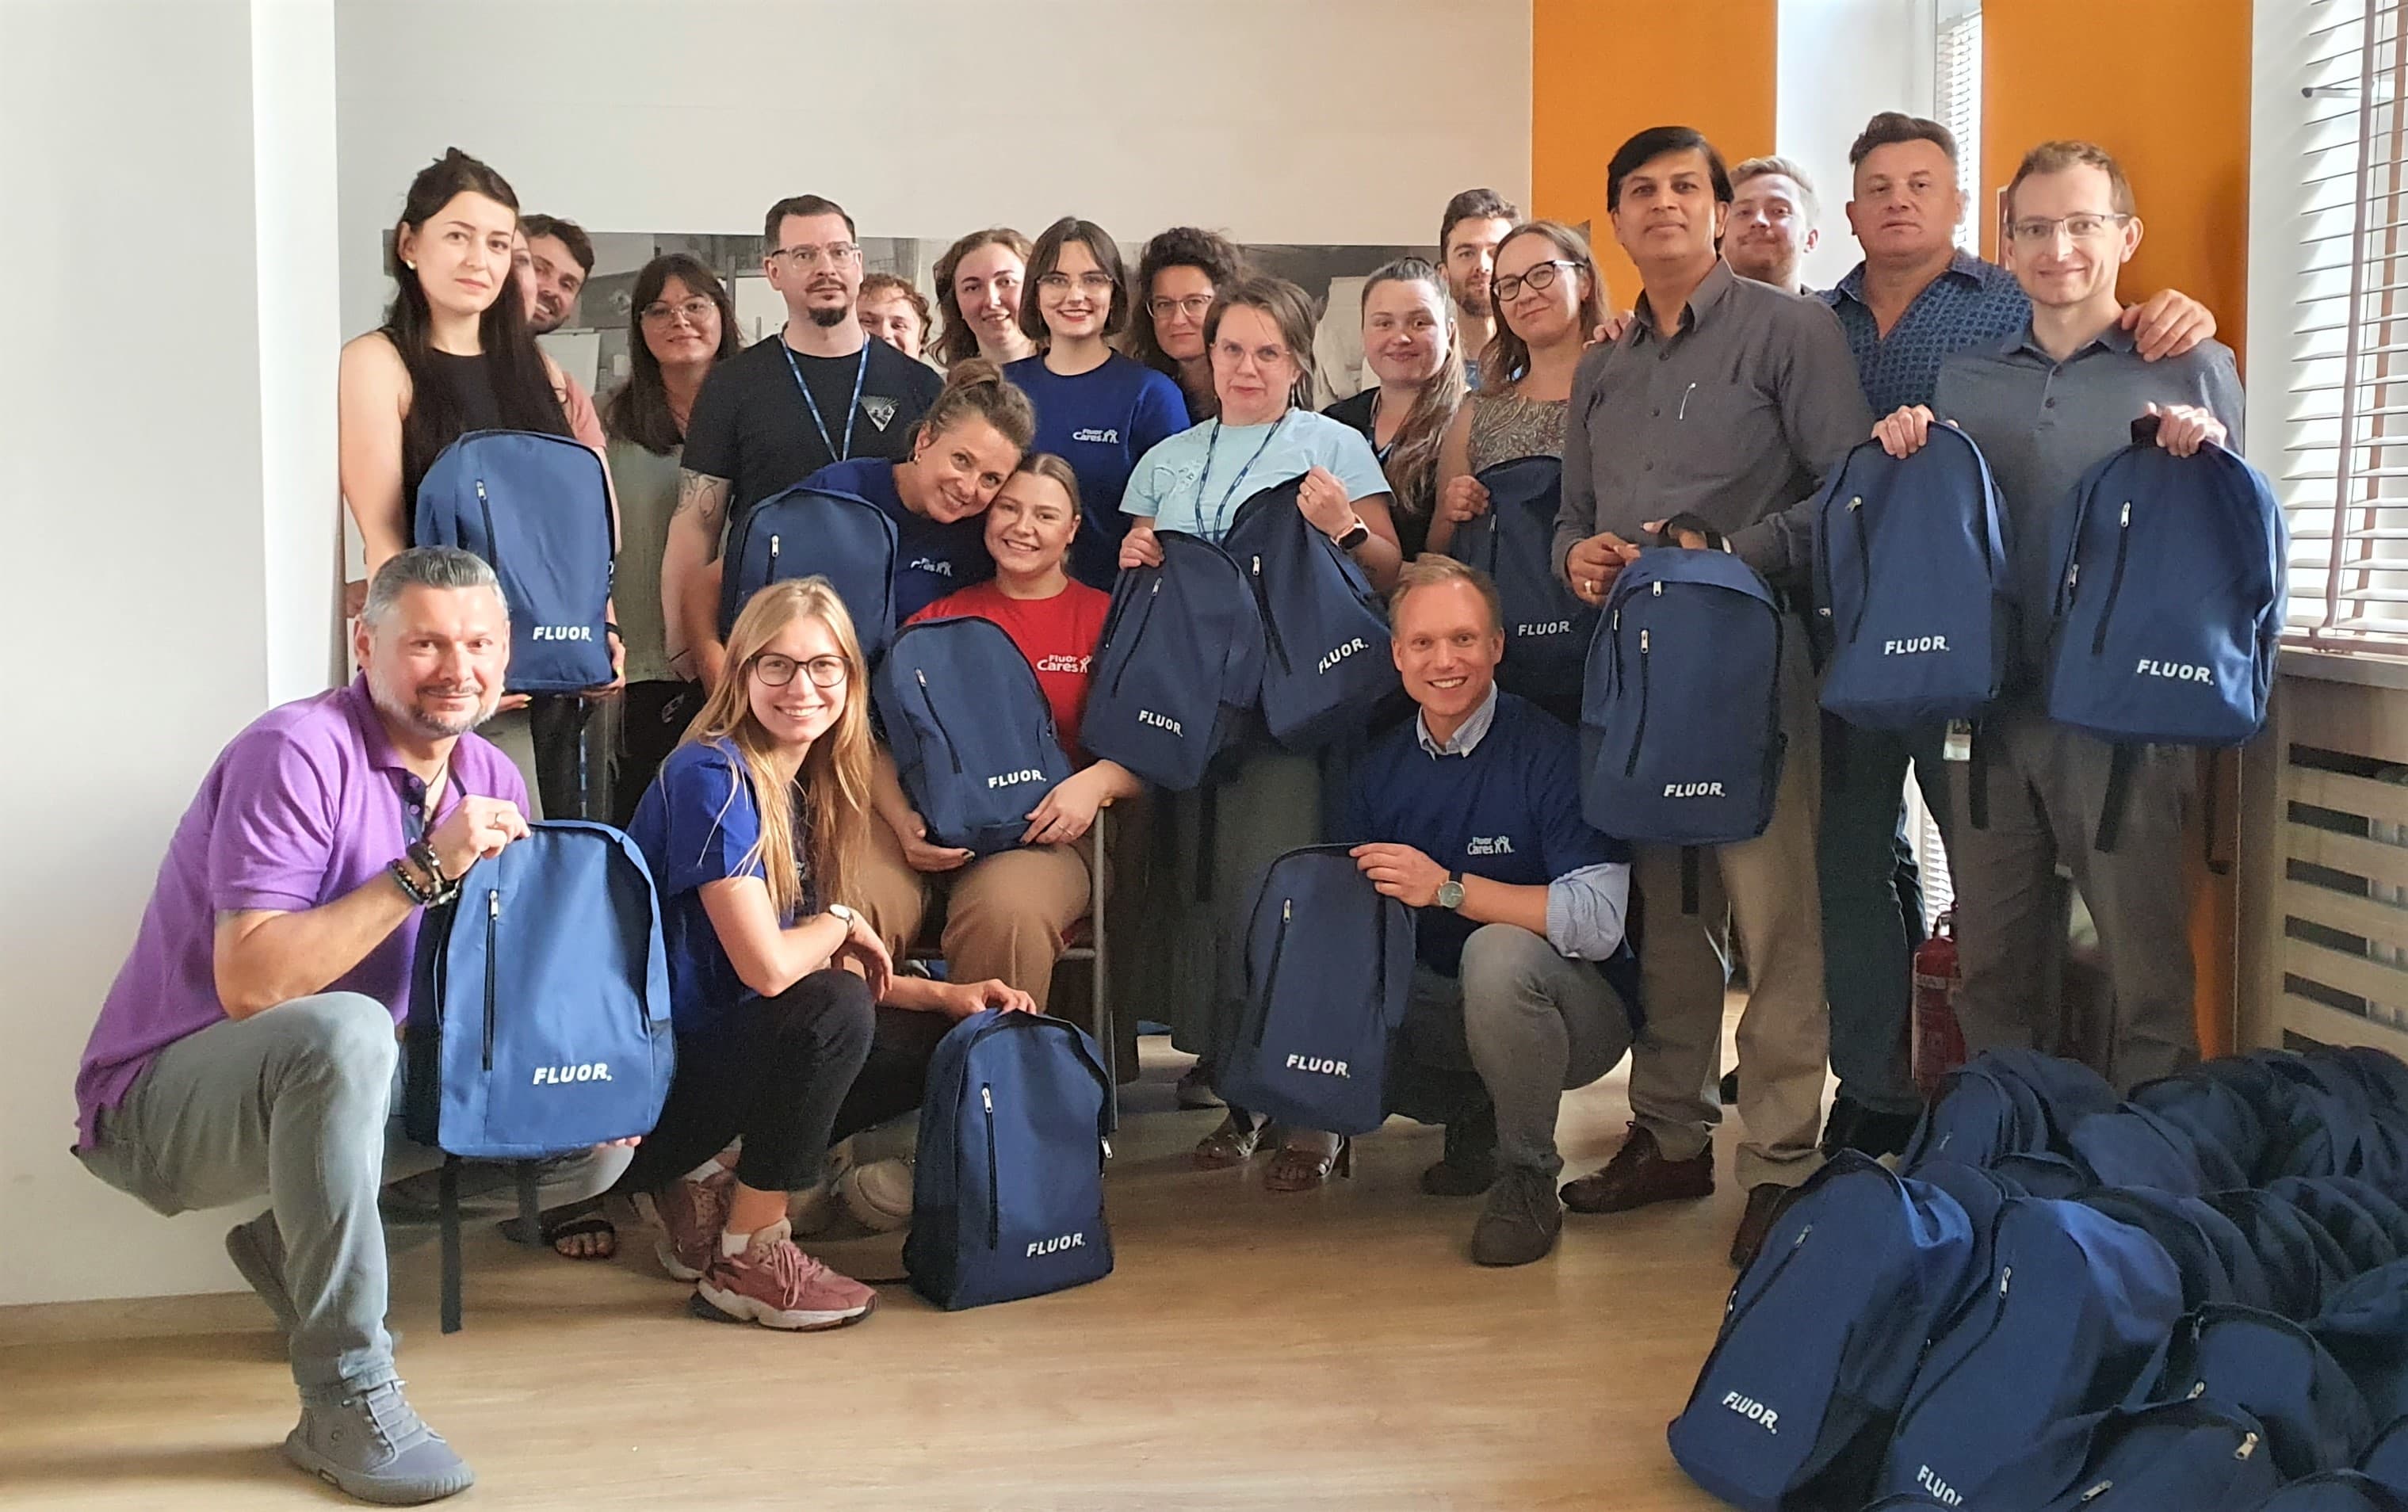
(1727, 400)
(2052, 401)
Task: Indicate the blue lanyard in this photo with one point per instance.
(1220, 513)
(860, 375)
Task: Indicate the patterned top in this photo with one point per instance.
(1971, 307)
(1505, 426)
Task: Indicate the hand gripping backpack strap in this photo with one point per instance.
(1669, 534)
(2120, 768)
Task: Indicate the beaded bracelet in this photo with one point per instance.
(408, 885)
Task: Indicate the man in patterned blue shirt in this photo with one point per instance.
(1915, 301)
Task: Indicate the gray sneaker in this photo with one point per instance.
(373, 1447)
(1521, 1221)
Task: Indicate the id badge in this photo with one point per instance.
(1959, 744)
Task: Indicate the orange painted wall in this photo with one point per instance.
(1602, 69)
(2179, 123)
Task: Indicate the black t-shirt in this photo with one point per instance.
(752, 427)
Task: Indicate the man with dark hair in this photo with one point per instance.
(2045, 406)
(1723, 405)
(1475, 222)
(1772, 222)
(1914, 301)
(780, 411)
(563, 255)
(247, 1047)
(1522, 984)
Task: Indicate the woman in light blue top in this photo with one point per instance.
(1259, 335)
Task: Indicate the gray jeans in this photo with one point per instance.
(290, 1104)
(1530, 1024)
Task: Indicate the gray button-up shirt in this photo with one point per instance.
(2041, 424)
(1734, 417)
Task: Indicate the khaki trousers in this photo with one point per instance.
(1006, 915)
(1766, 888)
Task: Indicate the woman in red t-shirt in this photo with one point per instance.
(1007, 914)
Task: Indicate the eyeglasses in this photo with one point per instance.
(1058, 284)
(838, 254)
(777, 671)
(659, 312)
(1193, 306)
(2089, 226)
(1506, 287)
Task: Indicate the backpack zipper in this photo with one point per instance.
(772, 575)
(1135, 635)
(2115, 579)
(1271, 977)
(1733, 1312)
(1997, 1315)
(492, 546)
(994, 1196)
(1639, 731)
(1864, 563)
(950, 749)
(1270, 629)
(492, 934)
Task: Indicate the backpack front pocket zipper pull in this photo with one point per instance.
(493, 937)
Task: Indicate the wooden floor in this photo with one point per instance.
(1333, 1350)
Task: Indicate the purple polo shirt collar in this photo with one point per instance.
(305, 804)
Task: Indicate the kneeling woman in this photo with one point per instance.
(1007, 914)
(754, 830)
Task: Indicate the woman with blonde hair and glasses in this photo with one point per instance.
(1548, 300)
(1409, 338)
(978, 295)
(791, 1028)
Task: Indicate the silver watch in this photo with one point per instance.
(838, 910)
(1450, 892)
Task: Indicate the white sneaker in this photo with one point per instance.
(879, 1194)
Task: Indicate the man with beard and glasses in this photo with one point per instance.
(248, 1046)
(779, 411)
(1469, 234)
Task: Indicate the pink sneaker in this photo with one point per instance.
(777, 1285)
(692, 1213)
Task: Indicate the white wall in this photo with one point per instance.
(1287, 120)
(1840, 61)
(170, 520)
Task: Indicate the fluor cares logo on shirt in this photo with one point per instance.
(1489, 845)
(942, 569)
(1108, 436)
(1062, 664)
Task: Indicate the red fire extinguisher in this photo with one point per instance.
(1939, 1044)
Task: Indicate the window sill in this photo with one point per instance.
(2365, 669)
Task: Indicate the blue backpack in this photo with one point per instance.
(1008, 1191)
(2274, 1370)
(1547, 630)
(2304, 1265)
(1681, 739)
(2216, 1264)
(972, 736)
(2073, 1312)
(2167, 603)
(2198, 1455)
(2336, 1491)
(539, 1001)
(1915, 585)
(2387, 1459)
(1325, 962)
(1328, 664)
(1180, 668)
(816, 533)
(2364, 1326)
(2131, 1147)
(536, 508)
(1796, 1403)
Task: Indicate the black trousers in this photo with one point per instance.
(652, 719)
(790, 1075)
(570, 776)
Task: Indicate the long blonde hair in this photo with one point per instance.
(834, 774)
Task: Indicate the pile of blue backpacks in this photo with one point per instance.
(2190, 1300)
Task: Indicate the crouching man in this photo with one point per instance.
(248, 1046)
(1524, 983)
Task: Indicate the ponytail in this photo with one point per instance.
(975, 389)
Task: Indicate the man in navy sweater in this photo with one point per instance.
(1522, 990)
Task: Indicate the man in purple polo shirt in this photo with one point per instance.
(248, 1046)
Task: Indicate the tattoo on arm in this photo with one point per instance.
(705, 497)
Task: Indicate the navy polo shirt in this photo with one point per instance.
(1508, 810)
(931, 560)
(1973, 306)
(1100, 422)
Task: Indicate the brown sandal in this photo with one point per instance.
(1230, 1145)
(1296, 1169)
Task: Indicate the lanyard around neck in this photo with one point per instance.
(853, 412)
(1219, 518)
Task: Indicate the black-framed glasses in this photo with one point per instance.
(777, 671)
(1194, 307)
(836, 253)
(1506, 287)
(2085, 226)
(660, 312)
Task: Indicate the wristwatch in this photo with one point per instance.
(1354, 537)
(1450, 892)
(838, 910)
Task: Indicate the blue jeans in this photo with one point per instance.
(1873, 906)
